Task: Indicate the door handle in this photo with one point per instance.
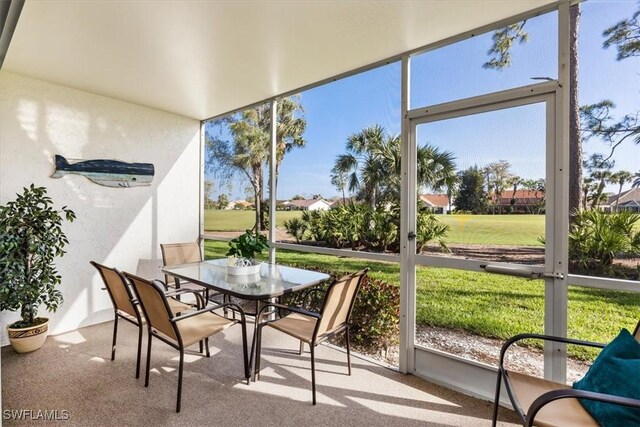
(412, 235)
(520, 271)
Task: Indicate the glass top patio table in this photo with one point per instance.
(273, 280)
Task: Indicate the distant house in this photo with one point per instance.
(526, 201)
(239, 204)
(281, 204)
(339, 202)
(307, 205)
(629, 201)
(437, 203)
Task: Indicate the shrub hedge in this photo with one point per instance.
(375, 320)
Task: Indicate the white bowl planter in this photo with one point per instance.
(244, 280)
(242, 270)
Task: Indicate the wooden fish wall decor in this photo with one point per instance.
(110, 173)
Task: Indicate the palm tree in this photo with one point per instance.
(602, 176)
(600, 171)
(588, 187)
(497, 175)
(364, 162)
(514, 180)
(372, 166)
(620, 178)
(249, 151)
(436, 168)
(636, 180)
(290, 128)
(339, 180)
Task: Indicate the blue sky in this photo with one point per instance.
(339, 109)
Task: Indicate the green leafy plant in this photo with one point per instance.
(375, 320)
(31, 238)
(296, 228)
(247, 245)
(597, 237)
(430, 228)
(379, 230)
(359, 226)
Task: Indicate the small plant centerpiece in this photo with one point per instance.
(242, 251)
(31, 237)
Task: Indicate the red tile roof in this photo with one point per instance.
(435, 200)
(521, 197)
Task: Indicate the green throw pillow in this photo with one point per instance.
(615, 371)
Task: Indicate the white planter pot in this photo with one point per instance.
(243, 271)
(243, 280)
(24, 340)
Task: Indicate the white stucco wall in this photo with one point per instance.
(115, 226)
(320, 205)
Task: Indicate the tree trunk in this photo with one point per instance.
(27, 309)
(575, 137)
(275, 190)
(28, 313)
(257, 171)
(598, 196)
(373, 198)
(618, 198)
(260, 200)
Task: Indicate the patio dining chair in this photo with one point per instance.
(180, 253)
(315, 327)
(184, 253)
(125, 305)
(181, 331)
(540, 402)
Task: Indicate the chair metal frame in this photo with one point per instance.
(528, 418)
(178, 345)
(315, 340)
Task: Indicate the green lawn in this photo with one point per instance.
(469, 229)
(486, 304)
(494, 229)
(232, 220)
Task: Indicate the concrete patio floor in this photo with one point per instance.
(73, 372)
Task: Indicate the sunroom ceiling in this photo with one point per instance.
(204, 58)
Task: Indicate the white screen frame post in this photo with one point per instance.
(407, 225)
(556, 289)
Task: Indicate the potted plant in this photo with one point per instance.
(31, 237)
(242, 252)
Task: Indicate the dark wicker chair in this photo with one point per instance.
(540, 402)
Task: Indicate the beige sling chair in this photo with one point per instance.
(125, 305)
(314, 328)
(181, 331)
(184, 253)
(540, 402)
